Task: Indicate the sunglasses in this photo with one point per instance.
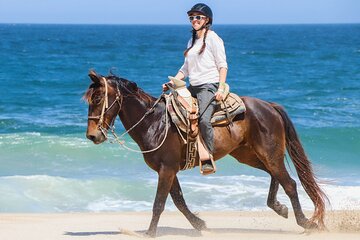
(198, 17)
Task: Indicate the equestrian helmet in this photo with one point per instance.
(203, 9)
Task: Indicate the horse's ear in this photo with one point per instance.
(95, 77)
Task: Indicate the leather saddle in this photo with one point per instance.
(183, 108)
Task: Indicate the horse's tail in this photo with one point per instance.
(303, 168)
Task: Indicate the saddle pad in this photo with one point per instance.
(233, 103)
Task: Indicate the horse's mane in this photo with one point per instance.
(126, 87)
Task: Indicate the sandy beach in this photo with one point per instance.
(131, 225)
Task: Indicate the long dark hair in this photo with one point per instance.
(207, 27)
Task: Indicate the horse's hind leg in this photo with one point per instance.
(272, 201)
(253, 161)
(179, 201)
(279, 172)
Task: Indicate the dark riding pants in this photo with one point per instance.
(204, 94)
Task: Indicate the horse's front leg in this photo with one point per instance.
(166, 177)
(180, 203)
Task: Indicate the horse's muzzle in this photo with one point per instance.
(96, 137)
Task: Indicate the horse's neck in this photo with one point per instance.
(133, 109)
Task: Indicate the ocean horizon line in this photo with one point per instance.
(176, 24)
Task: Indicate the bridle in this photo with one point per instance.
(106, 108)
(119, 99)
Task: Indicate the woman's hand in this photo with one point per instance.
(165, 87)
(219, 95)
(179, 76)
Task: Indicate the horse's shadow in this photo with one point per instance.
(85, 234)
(171, 231)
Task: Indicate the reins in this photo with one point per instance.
(111, 127)
(122, 143)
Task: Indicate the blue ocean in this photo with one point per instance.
(48, 165)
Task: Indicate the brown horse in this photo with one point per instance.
(259, 138)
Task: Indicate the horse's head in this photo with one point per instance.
(104, 99)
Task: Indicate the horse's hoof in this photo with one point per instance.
(284, 211)
(281, 209)
(199, 224)
(311, 226)
(308, 225)
(150, 234)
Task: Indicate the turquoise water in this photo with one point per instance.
(47, 164)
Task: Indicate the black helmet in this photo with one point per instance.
(203, 9)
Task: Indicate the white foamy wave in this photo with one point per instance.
(250, 193)
(33, 134)
(343, 197)
(225, 192)
(43, 193)
(72, 141)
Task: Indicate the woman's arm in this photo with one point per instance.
(222, 79)
(180, 75)
(222, 75)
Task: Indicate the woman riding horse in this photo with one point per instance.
(259, 139)
(205, 65)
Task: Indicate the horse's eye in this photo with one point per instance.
(97, 100)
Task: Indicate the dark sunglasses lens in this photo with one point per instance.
(191, 18)
(198, 17)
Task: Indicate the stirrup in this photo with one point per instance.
(207, 168)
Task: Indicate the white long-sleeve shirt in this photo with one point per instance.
(204, 68)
